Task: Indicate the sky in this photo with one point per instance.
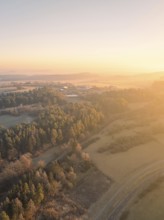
(72, 36)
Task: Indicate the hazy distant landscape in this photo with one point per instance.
(81, 110)
(58, 137)
(100, 80)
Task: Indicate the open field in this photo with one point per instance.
(124, 164)
(9, 120)
(14, 89)
(139, 153)
(149, 206)
(90, 188)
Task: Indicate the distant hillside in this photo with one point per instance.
(57, 77)
(116, 80)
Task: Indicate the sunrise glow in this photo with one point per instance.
(74, 36)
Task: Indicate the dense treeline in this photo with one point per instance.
(108, 104)
(29, 192)
(25, 197)
(25, 190)
(117, 101)
(131, 95)
(53, 125)
(45, 96)
(12, 171)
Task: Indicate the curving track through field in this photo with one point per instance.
(120, 195)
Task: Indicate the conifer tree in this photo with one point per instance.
(4, 216)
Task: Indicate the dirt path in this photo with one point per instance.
(47, 156)
(54, 153)
(149, 205)
(114, 202)
(132, 171)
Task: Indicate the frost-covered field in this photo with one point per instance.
(9, 120)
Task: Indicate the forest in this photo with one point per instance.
(23, 187)
(45, 96)
(57, 123)
(27, 191)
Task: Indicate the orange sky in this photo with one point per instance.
(82, 36)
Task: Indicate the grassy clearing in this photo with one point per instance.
(90, 187)
(124, 215)
(149, 204)
(127, 148)
(9, 120)
(152, 187)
